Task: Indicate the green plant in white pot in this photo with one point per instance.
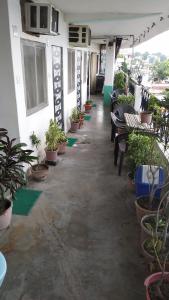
(12, 176)
(39, 171)
(52, 142)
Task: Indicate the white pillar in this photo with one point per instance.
(109, 71)
(138, 97)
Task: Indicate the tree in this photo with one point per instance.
(145, 55)
(124, 67)
(161, 70)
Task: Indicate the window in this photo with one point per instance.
(34, 67)
(71, 70)
(85, 67)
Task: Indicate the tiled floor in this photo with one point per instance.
(81, 240)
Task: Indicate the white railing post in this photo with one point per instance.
(138, 97)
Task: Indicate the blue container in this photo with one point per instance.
(143, 184)
(3, 268)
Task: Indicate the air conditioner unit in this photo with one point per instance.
(79, 35)
(41, 18)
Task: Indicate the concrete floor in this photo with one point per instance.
(81, 240)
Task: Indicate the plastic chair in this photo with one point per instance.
(118, 120)
(3, 268)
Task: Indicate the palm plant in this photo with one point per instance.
(12, 161)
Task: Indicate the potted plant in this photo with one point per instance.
(88, 106)
(157, 235)
(147, 115)
(52, 142)
(126, 99)
(142, 150)
(138, 148)
(74, 118)
(62, 142)
(39, 171)
(81, 118)
(120, 82)
(12, 161)
(157, 285)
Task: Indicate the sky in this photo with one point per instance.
(159, 43)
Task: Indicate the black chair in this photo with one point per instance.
(117, 117)
(120, 148)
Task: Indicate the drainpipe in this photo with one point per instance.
(109, 71)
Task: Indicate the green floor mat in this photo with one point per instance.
(87, 118)
(71, 142)
(24, 200)
(94, 105)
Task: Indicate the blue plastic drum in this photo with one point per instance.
(143, 180)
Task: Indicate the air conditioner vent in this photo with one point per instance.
(79, 35)
(41, 18)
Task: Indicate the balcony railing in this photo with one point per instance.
(160, 118)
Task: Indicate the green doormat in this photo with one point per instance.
(24, 201)
(71, 142)
(94, 105)
(87, 118)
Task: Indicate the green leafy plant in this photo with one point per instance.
(52, 136)
(74, 115)
(124, 99)
(141, 148)
(138, 147)
(13, 157)
(153, 103)
(119, 81)
(62, 138)
(89, 102)
(35, 143)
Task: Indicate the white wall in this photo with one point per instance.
(8, 112)
(39, 121)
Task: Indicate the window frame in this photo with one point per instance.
(71, 87)
(38, 107)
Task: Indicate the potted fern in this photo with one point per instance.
(62, 142)
(52, 142)
(13, 158)
(39, 171)
(74, 118)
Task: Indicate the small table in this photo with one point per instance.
(133, 122)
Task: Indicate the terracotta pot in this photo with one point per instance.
(151, 259)
(74, 126)
(39, 172)
(151, 279)
(146, 117)
(51, 156)
(62, 148)
(141, 212)
(88, 107)
(5, 218)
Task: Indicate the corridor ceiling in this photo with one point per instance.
(107, 18)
